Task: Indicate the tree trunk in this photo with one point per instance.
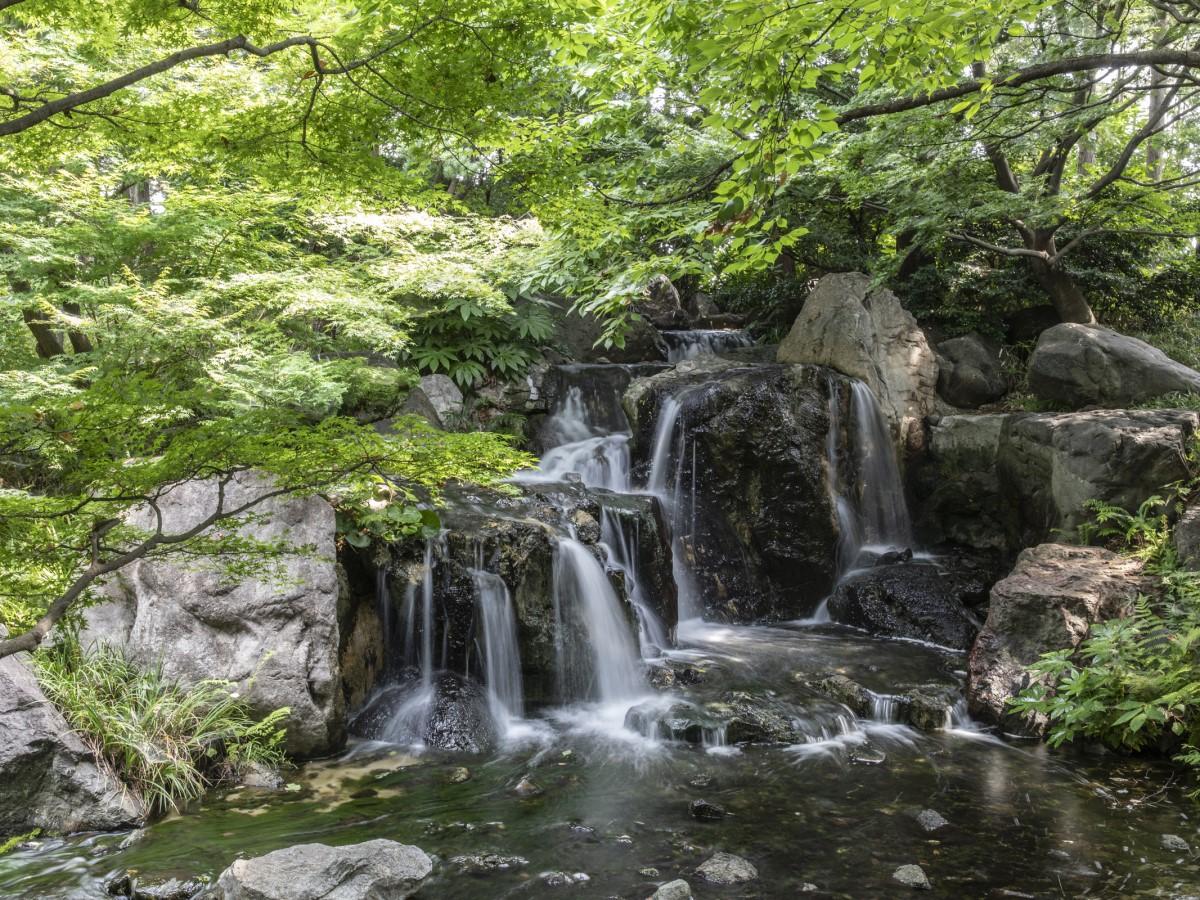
(80, 342)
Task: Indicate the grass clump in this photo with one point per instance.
(166, 741)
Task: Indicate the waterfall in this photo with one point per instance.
(882, 507)
(619, 534)
(850, 539)
(584, 595)
(501, 654)
(683, 345)
(580, 442)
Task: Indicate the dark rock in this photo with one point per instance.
(1053, 596)
(1087, 365)
(891, 557)
(763, 545)
(373, 869)
(927, 708)
(1186, 537)
(679, 722)
(458, 717)
(660, 304)
(913, 600)
(49, 779)
(969, 373)
(912, 876)
(565, 879)
(706, 811)
(1011, 481)
(130, 888)
(725, 869)
(578, 335)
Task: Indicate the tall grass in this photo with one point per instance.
(166, 741)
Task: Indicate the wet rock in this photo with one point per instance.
(755, 449)
(459, 775)
(565, 879)
(458, 717)
(527, 787)
(648, 872)
(673, 890)
(677, 722)
(840, 688)
(1049, 601)
(931, 820)
(865, 333)
(257, 775)
(638, 521)
(706, 811)
(487, 863)
(278, 639)
(130, 888)
(928, 706)
(1175, 843)
(867, 755)
(1088, 365)
(378, 868)
(752, 719)
(969, 373)
(912, 876)
(725, 869)
(49, 779)
(660, 304)
(913, 600)
(587, 529)
(1010, 481)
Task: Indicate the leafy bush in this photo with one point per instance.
(168, 743)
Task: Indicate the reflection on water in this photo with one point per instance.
(836, 809)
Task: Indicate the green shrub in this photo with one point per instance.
(167, 742)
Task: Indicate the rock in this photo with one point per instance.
(1186, 537)
(702, 306)
(488, 863)
(1010, 481)
(660, 304)
(866, 334)
(278, 639)
(706, 811)
(457, 719)
(565, 879)
(49, 779)
(681, 721)
(1175, 843)
(756, 450)
(1054, 594)
(256, 775)
(1088, 365)
(374, 869)
(580, 337)
(913, 600)
(931, 820)
(132, 888)
(458, 775)
(725, 869)
(927, 707)
(527, 787)
(444, 396)
(912, 876)
(417, 403)
(969, 373)
(673, 890)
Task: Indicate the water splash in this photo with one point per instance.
(683, 345)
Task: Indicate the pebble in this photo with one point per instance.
(486, 863)
(565, 879)
(912, 876)
(725, 868)
(1175, 843)
(673, 890)
(931, 820)
(458, 775)
(706, 811)
(648, 872)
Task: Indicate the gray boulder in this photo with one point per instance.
(49, 779)
(374, 870)
(1010, 481)
(865, 333)
(673, 890)
(1087, 365)
(912, 876)
(278, 638)
(969, 373)
(1055, 593)
(726, 869)
(1186, 537)
(660, 304)
(443, 395)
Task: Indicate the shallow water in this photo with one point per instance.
(1024, 821)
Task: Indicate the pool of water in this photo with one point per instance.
(614, 806)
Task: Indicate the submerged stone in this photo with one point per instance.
(1175, 843)
(488, 863)
(673, 890)
(912, 876)
(931, 820)
(527, 787)
(726, 868)
(706, 811)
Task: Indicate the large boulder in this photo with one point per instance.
(373, 870)
(1010, 481)
(865, 333)
(660, 304)
(1088, 365)
(580, 337)
(741, 470)
(277, 637)
(1054, 594)
(918, 600)
(49, 779)
(969, 373)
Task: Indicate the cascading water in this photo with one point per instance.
(604, 666)
(578, 445)
(501, 654)
(881, 505)
(619, 535)
(683, 345)
(850, 539)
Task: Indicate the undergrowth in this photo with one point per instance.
(167, 742)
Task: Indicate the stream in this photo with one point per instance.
(621, 782)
